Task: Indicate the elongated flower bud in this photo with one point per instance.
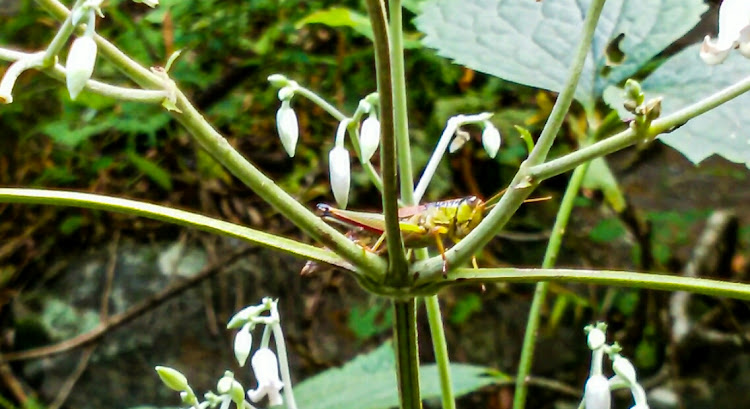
(286, 123)
(340, 170)
(369, 137)
(243, 342)
(490, 139)
(80, 64)
(173, 378)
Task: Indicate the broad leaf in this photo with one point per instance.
(683, 80)
(532, 43)
(369, 382)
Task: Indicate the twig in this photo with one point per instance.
(119, 320)
(67, 387)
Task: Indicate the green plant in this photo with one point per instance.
(691, 107)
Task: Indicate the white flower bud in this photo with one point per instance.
(596, 394)
(243, 342)
(596, 338)
(150, 3)
(624, 369)
(369, 137)
(491, 139)
(286, 123)
(278, 80)
(173, 378)
(80, 64)
(266, 369)
(224, 386)
(340, 170)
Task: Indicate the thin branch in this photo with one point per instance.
(132, 313)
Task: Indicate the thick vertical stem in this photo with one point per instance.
(407, 354)
(397, 268)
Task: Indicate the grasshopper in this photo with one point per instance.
(421, 226)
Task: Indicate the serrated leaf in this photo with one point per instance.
(151, 169)
(533, 43)
(369, 382)
(683, 80)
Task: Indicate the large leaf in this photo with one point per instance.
(532, 43)
(369, 382)
(684, 79)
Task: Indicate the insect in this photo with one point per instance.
(421, 226)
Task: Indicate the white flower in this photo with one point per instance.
(80, 64)
(286, 123)
(243, 342)
(596, 338)
(734, 32)
(266, 369)
(596, 394)
(490, 139)
(624, 369)
(369, 137)
(340, 169)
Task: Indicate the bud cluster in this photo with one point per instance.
(264, 362)
(597, 391)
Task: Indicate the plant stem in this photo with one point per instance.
(407, 356)
(523, 183)
(629, 137)
(397, 267)
(169, 215)
(540, 294)
(401, 117)
(440, 347)
(233, 161)
(653, 281)
(564, 100)
(61, 37)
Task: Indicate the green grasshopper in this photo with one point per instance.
(421, 226)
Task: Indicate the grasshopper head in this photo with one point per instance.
(468, 215)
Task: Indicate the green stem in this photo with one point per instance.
(629, 136)
(407, 355)
(286, 376)
(397, 269)
(440, 346)
(653, 281)
(550, 256)
(169, 215)
(61, 37)
(401, 117)
(523, 184)
(562, 105)
(233, 161)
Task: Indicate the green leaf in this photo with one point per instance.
(369, 382)
(62, 133)
(339, 17)
(533, 43)
(154, 172)
(685, 79)
(600, 177)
